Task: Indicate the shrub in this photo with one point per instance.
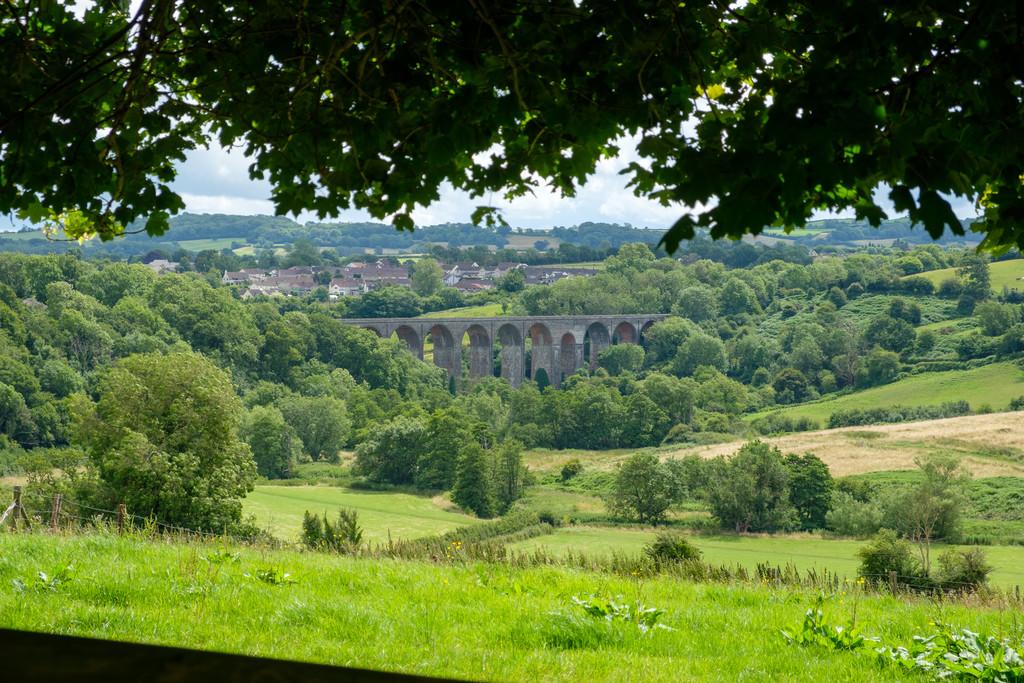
(344, 536)
(1017, 403)
(852, 517)
(671, 547)
(571, 469)
(963, 569)
(887, 553)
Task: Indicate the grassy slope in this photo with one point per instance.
(994, 384)
(1003, 273)
(280, 509)
(481, 311)
(476, 621)
(804, 551)
(990, 445)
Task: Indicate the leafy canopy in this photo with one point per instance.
(756, 113)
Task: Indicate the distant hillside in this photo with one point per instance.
(1008, 274)
(246, 235)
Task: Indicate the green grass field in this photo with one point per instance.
(994, 385)
(803, 551)
(1007, 274)
(474, 621)
(22, 236)
(481, 311)
(524, 242)
(402, 515)
(215, 244)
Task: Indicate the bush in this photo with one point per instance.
(344, 536)
(852, 517)
(571, 469)
(887, 553)
(963, 569)
(670, 547)
(780, 423)
(867, 416)
(1017, 403)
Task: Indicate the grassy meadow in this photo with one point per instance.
(481, 311)
(990, 445)
(1009, 274)
(279, 509)
(470, 621)
(804, 551)
(994, 385)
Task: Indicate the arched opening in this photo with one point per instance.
(643, 332)
(476, 344)
(542, 351)
(595, 341)
(446, 353)
(411, 339)
(567, 356)
(624, 333)
(511, 356)
(374, 330)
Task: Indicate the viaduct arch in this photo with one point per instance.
(558, 345)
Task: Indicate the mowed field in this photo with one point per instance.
(398, 515)
(994, 385)
(1009, 274)
(804, 551)
(990, 445)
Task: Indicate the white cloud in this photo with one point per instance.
(217, 181)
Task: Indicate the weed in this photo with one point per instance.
(816, 631)
(960, 655)
(645, 618)
(274, 576)
(44, 582)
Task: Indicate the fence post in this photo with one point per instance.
(121, 514)
(892, 582)
(16, 510)
(55, 513)
(13, 507)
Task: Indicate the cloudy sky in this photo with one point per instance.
(217, 181)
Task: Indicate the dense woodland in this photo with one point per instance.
(138, 375)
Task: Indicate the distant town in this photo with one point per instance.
(358, 278)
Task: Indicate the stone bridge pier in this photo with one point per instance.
(558, 345)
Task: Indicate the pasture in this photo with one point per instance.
(1009, 274)
(279, 509)
(994, 385)
(482, 311)
(215, 244)
(990, 445)
(465, 620)
(804, 551)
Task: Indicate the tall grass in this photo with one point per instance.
(470, 620)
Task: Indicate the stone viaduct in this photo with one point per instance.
(559, 345)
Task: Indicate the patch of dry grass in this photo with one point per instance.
(991, 445)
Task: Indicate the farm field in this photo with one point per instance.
(991, 445)
(470, 621)
(524, 242)
(280, 508)
(215, 244)
(995, 385)
(1003, 273)
(481, 311)
(805, 551)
